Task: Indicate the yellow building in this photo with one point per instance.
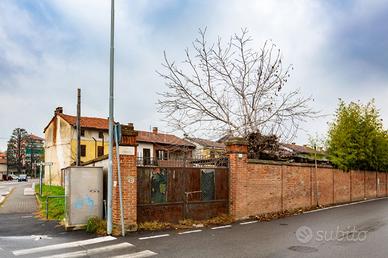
(206, 148)
(61, 142)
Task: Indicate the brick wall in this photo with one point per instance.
(128, 171)
(258, 187)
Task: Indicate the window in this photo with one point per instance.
(162, 155)
(82, 132)
(100, 151)
(101, 135)
(83, 150)
(207, 184)
(159, 186)
(147, 156)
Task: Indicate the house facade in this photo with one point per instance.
(154, 146)
(206, 148)
(61, 142)
(3, 164)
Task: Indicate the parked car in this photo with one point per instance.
(22, 177)
(12, 177)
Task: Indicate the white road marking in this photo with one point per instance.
(248, 222)
(92, 251)
(220, 227)
(146, 253)
(346, 204)
(25, 217)
(29, 191)
(188, 232)
(35, 237)
(155, 236)
(64, 245)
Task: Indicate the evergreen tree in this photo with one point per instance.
(357, 139)
(16, 149)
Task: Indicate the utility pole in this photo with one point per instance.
(111, 102)
(78, 160)
(32, 153)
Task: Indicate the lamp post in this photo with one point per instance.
(111, 102)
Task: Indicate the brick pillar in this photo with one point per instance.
(127, 150)
(237, 149)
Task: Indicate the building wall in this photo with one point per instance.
(61, 145)
(3, 168)
(141, 146)
(58, 137)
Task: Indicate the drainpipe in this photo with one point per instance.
(95, 147)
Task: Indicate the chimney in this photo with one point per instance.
(58, 110)
(154, 130)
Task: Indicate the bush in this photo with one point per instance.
(96, 225)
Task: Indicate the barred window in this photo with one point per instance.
(159, 186)
(207, 184)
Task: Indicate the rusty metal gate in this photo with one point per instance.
(171, 190)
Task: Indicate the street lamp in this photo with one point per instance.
(111, 102)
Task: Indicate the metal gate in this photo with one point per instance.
(170, 191)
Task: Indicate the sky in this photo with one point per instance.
(49, 48)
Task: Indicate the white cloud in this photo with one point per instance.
(52, 60)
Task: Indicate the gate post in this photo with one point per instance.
(127, 151)
(237, 150)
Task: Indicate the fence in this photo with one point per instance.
(276, 186)
(172, 190)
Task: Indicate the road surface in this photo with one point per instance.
(358, 230)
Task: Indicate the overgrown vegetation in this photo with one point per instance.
(186, 223)
(96, 225)
(357, 139)
(263, 146)
(56, 205)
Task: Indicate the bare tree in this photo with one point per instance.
(231, 89)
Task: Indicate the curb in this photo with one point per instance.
(345, 204)
(4, 198)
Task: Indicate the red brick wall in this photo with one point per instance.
(238, 194)
(357, 185)
(128, 171)
(258, 187)
(296, 187)
(370, 185)
(341, 186)
(325, 185)
(264, 188)
(382, 184)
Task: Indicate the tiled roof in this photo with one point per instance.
(207, 143)
(3, 158)
(162, 138)
(34, 137)
(299, 148)
(87, 122)
(103, 124)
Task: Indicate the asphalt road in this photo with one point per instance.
(358, 230)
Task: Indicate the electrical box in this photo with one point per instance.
(83, 194)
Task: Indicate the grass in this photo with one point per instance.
(96, 225)
(56, 205)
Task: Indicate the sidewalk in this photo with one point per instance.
(17, 202)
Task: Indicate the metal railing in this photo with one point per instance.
(189, 162)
